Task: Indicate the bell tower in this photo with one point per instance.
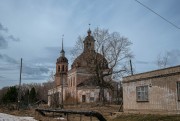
(89, 42)
(61, 68)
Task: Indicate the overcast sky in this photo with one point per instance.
(32, 30)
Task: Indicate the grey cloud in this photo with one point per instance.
(53, 49)
(43, 70)
(35, 73)
(8, 59)
(142, 62)
(35, 70)
(11, 37)
(54, 53)
(3, 42)
(5, 37)
(2, 77)
(174, 57)
(2, 28)
(35, 77)
(58, 49)
(6, 69)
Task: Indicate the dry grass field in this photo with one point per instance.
(146, 117)
(107, 111)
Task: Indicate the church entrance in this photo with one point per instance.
(83, 98)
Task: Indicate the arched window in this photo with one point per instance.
(88, 45)
(58, 68)
(74, 81)
(71, 82)
(62, 67)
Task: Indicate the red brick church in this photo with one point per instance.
(76, 85)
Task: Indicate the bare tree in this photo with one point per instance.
(110, 59)
(3, 91)
(78, 48)
(54, 91)
(44, 90)
(41, 89)
(162, 60)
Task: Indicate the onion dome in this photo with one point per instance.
(62, 60)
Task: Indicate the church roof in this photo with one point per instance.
(62, 59)
(87, 59)
(89, 38)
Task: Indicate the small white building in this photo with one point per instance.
(153, 92)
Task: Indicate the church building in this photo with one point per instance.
(77, 85)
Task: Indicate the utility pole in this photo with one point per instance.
(19, 91)
(103, 97)
(131, 67)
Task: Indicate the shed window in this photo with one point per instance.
(92, 96)
(91, 99)
(142, 93)
(178, 91)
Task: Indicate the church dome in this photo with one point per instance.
(87, 59)
(62, 59)
(89, 38)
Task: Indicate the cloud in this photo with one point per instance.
(35, 77)
(5, 68)
(5, 37)
(3, 42)
(11, 37)
(54, 53)
(53, 49)
(8, 59)
(2, 28)
(142, 62)
(58, 49)
(35, 70)
(174, 57)
(2, 77)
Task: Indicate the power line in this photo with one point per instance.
(157, 14)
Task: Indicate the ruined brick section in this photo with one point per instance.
(162, 92)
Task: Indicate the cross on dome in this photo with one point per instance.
(89, 31)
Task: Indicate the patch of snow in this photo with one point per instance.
(7, 117)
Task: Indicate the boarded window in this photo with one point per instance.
(178, 90)
(92, 99)
(142, 93)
